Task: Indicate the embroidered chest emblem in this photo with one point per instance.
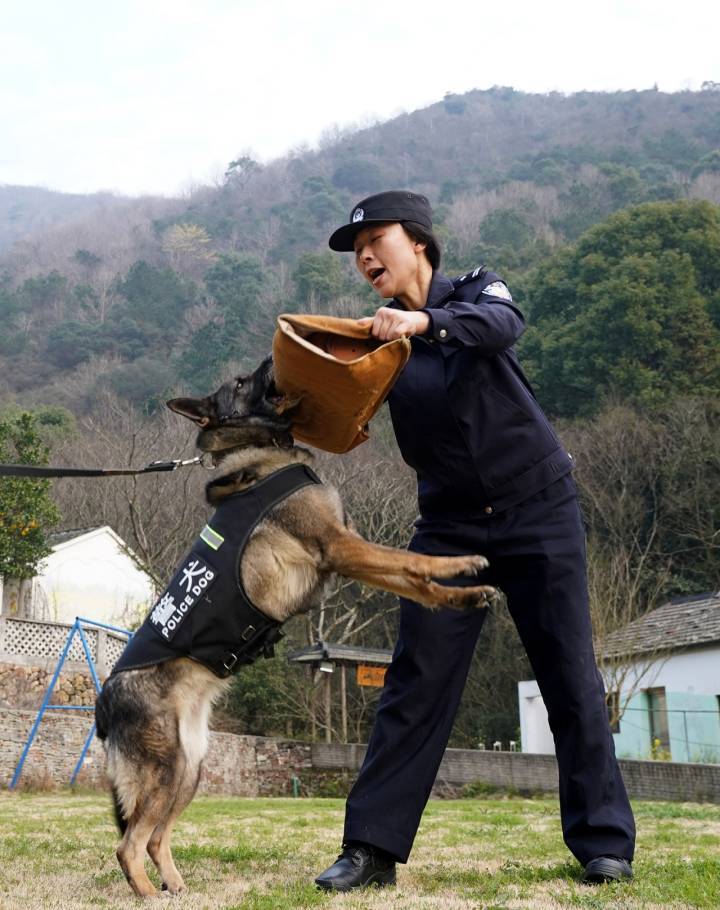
(191, 582)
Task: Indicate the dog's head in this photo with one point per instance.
(242, 412)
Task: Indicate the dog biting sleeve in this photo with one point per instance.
(336, 375)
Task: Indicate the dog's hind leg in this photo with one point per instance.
(159, 843)
(155, 795)
(131, 850)
(193, 711)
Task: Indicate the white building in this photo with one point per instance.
(90, 573)
(669, 689)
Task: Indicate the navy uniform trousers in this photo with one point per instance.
(537, 557)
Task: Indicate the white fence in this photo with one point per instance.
(29, 642)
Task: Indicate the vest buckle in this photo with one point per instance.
(229, 660)
(248, 633)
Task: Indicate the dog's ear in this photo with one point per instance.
(198, 410)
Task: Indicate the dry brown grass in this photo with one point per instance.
(57, 851)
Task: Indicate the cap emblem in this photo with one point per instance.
(358, 215)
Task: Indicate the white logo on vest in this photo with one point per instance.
(190, 583)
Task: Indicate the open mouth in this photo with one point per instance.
(374, 274)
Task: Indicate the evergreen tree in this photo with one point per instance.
(156, 297)
(319, 277)
(26, 509)
(628, 312)
(236, 283)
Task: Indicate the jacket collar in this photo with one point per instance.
(440, 289)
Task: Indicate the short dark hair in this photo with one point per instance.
(421, 234)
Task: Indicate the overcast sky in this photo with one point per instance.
(153, 96)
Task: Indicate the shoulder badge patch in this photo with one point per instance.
(469, 276)
(497, 289)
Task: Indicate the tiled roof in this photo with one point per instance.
(682, 623)
(340, 654)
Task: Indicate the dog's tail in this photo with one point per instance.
(120, 819)
(102, 726)
(101, 715)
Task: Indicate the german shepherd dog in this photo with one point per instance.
(154, 720)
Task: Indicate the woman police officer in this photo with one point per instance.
(492, 479)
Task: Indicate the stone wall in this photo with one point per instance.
(681, 781)
(258, 766)
(235, 765)
(530, 773)
(55, 751)
(459, 767)
(25, 686)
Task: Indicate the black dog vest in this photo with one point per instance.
(204, 613)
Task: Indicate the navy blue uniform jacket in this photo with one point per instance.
(464, 414)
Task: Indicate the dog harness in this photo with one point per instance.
(204, 613)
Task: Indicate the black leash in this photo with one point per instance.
(26, 470)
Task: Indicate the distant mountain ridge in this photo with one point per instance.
(30, 210)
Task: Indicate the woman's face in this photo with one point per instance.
(387, 258)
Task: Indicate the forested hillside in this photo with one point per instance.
(603, 213)
(154, 294)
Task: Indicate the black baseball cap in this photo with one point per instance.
(394, 205)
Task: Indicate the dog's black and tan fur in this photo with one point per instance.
(154, 721)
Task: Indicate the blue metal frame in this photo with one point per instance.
(76, 628)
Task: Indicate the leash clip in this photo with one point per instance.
(179, 463)
(189, 461)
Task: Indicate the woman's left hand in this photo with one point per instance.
(389, 324)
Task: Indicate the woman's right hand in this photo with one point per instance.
(388, 324)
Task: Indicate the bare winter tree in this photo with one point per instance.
(619, 473)
(380, 498)
(619, 593)
(691, 490)
(158, 515)
(379, 495)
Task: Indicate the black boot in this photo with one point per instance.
(607, 869)
(358, 866)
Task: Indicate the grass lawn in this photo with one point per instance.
(57, 851)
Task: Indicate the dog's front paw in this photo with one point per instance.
(473, 565)
(457, 598)
(478, 598)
